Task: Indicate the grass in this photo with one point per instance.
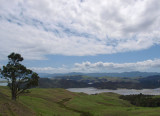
(11, 108)
(60, 102)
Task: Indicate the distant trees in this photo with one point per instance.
(142, 100)
(19, 77)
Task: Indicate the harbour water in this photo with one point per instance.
(91, 90)
(3, 84)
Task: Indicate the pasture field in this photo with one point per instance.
(60, 102)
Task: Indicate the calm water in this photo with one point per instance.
(91, 90)
(119, 91)
(3, 84)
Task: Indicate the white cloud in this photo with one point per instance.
(49, 70)
(88, 67)
(148, 65)
(36, 28)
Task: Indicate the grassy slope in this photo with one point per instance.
(12, 108)
(60, 102)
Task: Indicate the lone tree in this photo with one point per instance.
(19, 77)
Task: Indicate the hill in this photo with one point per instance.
(80, 81)
(60, 102)
(123, 74)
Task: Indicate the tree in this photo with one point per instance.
(19, 77)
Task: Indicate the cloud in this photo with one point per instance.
(49, 69)
(148, 65)
(88, 67)
(77, 28)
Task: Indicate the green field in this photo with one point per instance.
(60, 102)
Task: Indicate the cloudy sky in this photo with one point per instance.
(58, 36)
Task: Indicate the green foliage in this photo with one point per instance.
(19, 77)
(142, 100)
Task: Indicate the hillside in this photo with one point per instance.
(80, 81)
(122, 74)
(60, 102)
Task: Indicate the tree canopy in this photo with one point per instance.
(19, 77)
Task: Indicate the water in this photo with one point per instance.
(91, 90)
(3, 84)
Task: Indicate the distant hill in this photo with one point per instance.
(47, 75)
(129, 80)
(79, 81)
(123, 74)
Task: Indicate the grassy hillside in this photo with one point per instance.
(60, 102)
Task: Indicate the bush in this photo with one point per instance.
(142, 100)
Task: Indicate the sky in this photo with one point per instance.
(61, 36)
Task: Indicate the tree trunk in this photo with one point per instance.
(14, 89)
(13, 97)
